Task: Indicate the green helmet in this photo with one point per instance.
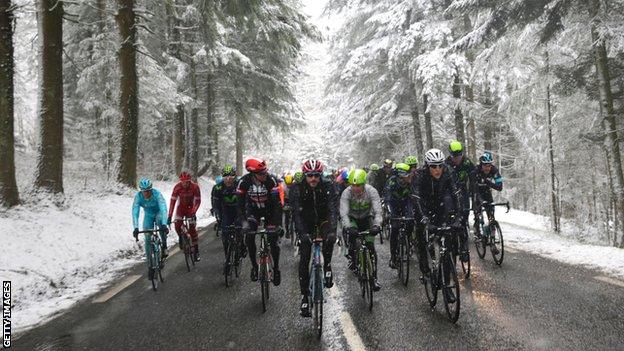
(411, 160)
(402, 167)
(374, 167)
(357, 177)
(228, 170)
(455, 148)
(298, 177)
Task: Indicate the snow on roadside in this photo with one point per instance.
(57, 257)
(530, 232)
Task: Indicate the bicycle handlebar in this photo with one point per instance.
(402, 219)
(506, 204)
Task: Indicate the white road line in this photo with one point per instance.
(348, 328)
(116, 289)
(609, 280)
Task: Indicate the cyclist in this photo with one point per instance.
(412, 161)
(154, 213)
(314, 205)
(436, 200)
(189, 196)
(464, 171)
(218, 181)
(487, 177)
(298, 177)
(258, 197)
(398, 198)
(359, 206)
(225, 205)
(288, 182)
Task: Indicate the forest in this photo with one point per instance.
(114, 90)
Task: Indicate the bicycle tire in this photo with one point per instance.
(431, 286)
(228, 265)
(264, 281)
(369, 278)
(466, 267)
(362, 274)
(318, 302)
(404, 265)
(153, 271)
(497, 241)
(480, 244)
(185, 249)
(451, 312)
(236, 258)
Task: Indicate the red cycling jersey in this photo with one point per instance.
(189, 199)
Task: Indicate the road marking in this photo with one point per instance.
(609, 280)
(348, 328)
(116, 289)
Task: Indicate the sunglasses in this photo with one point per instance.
(313, 175)
(435, 166)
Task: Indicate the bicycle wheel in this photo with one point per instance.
(480, 244)
(228, 265)
(404, 256)
(318, 302)
(237, 259)
(264, 287)
(362, 275)
(431, 286)
(497, 247)
(450, 285)
(384, 228)
(187, 254)
(153, 270)
(369, 278)
(466, 267)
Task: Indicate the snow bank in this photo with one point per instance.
(56, 257)
(530, 232)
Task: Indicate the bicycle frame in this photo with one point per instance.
(153, 256)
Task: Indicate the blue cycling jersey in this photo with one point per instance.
(155, 209)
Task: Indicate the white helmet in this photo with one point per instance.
(434, 157)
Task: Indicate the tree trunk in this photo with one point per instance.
(178, 139)
(193, 136)
(554, 193)
(50, 159)
(471, 128)
(418, 138)
(128, 96)
(606, 100)
(239, 146)
(488, 125)
(211, 124)
(428, 129)
(8, 187)
(459, 116)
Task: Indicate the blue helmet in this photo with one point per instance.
(145, 184)
(218, 179)
(486, 158)
(345, 175)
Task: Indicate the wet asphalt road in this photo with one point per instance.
(529, 303)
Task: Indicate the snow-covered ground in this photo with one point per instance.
(56, 257)
(530, 232)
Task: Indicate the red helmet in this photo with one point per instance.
(255, 165)
(312, 166)
(185, 176)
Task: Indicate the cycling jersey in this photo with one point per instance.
(360, 206)
(155, 210)
(188, 200)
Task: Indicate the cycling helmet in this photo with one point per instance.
(228, 170)
(374, 167)
(312, 166)
(388, 162)
(344, 175)
(184, 176)
(455, 148)
(145, 184)
(298, 177)
(288, 179)
(411, 160)
(434, 157)
(218, 179)
(486, 158)
(402, 168)
(357, 177)
(255, 165)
